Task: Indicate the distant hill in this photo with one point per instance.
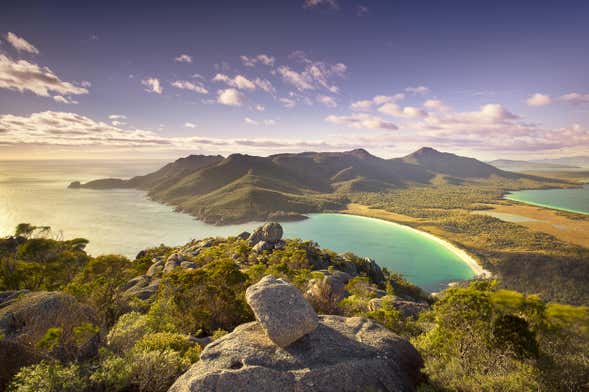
(516, 165)
(580, 161)
(242, 188)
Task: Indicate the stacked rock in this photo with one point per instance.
(291, 349)
(281, 310)
(267, 237)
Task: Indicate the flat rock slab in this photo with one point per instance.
(281, 309)
(341, 354)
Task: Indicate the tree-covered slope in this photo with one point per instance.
(243, 188)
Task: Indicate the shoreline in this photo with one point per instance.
(470, 261)
(506, 197)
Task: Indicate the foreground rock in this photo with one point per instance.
(281, 309)
(26, 321)
(341, 354)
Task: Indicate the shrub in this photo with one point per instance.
(113, 373)
(98, 285)
(128, 329)
(155, 371)
(206, 299)
(162, 341)
(48, 377)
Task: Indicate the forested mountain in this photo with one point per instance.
(242, 188)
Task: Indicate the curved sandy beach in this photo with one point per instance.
(471, 262)
(478, 270)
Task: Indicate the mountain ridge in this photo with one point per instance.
(241, 188)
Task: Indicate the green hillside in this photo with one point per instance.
(243, 188)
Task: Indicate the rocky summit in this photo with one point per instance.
(281, 310)
(338, 354)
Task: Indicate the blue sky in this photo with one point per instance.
(146, 79)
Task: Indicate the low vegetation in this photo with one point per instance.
(510, 250)
(476, 337)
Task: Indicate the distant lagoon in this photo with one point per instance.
(125, 221)
(571, 199)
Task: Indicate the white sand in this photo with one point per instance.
(478, 270)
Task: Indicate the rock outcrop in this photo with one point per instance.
(270, 232)
(326, 293)
(340, 354)
(267, 237)
(146, 286)
(26, 320)
(281, 309)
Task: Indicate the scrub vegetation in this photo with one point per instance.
(510, 250)
(474, 337)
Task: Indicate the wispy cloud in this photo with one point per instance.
(367, 104)
(197, 87)
(327, 101)
(264, 59)
(189, 125)
(418, 90)
(21, 44)
(392, 109)
(361, 120)
(314, 75)
(333, 4)
(239, 81)
(288, 102)
(152, 85)
(575, 98)
(538, 99)
(21, 75)
(436, 104)
(183, 58)
(62, 99)
(491, 128)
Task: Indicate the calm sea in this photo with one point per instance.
(126, 221)
(573, 200)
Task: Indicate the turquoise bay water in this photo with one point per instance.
(126, 221)
(573, 200)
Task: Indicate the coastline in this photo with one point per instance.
(470, 261)
(478, 270)
(552, 207)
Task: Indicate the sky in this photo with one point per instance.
(127, 79)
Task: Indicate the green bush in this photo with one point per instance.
(156, 371)
(486, 339)
(48, 377)
(128, 329)
(206, 299)
(112, 374)
(98, 285)
(162, 341)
